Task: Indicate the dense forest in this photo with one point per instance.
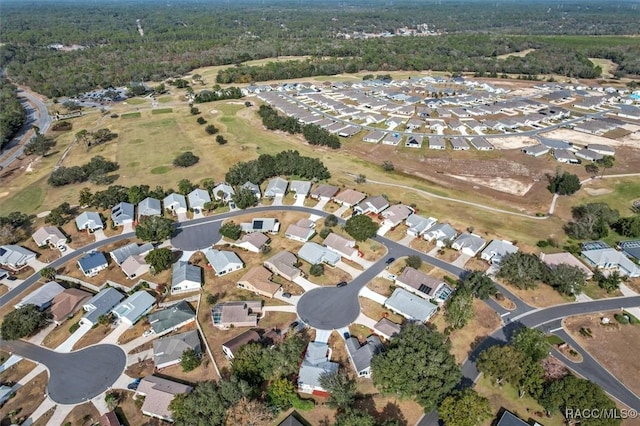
(110, 50)
(12, 113)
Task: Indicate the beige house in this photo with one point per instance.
(67, 303)
(258, 281)
(237, 314)
(252, 242)
(134, 266)
(283, 264)
(341, 245)
(349, 197)
(50, 235)
(158, 394)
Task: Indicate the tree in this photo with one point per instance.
(361, 227)
(186, 159)
(159, 259)
(231, 230)
(521, 269)
(112, 399)
(155, 228)
(39, 145)
(464, 408)
(244, 198)
(249, 412)
(506, 363)
(567, 279)
(592, 169)
(459, 308)
(316, 270)
(532, 343)
(221, 140)
(22, 322)
(606, 162)
(353, 417)
(280, 393)
(342, 389)
(427, 372)
(138, 193)
(563, 184)
(60, 215)
(85, 197)
(414, 261)
(211, 129)
(48, 273)
(610, 282)
(201, 120)
(591, 221)
(479, 284)
(208, 403)
(330, 221)
(388, 166)
(628, 226)
(360, 179)
(194, 111)
(250, 364)
(190, 360)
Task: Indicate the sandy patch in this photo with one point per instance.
(4, 194)
(510, 186)
(580, 138)
(213, 111)
(520, 54)
(597, 191)
(513, 142)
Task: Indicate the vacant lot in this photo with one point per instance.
(25, 401)
(84, 414)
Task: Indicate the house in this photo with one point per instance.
(255, 189)
(50, 236)
(601, 149)
(269, 225)
(168, 350)
(236, 314)
(324, 192)
(315, 254)
(277, 187)
(536, 150)
(317, 362)
(342, 246)
(396, 214)
(258, 281)
(481, 144)
(374, 136)
(555, 259)
(497, 250)
(375, 204)
(387, 328)
(300, 187)
(414, 124)
(510, 419)
(588, 155)
(122, 214)
(231, 346)
(418, 225)
(223, 192)
(223, 262)
(410, 306)
(109, 419)
(134, 307)
(92, 263)
(392, 138)
(135, 266)
(631, 248)
(292, 420)
(158, 394)
(197, 199)
(282, 264)
(609, 259)
(175, 203)
(436, 142)
(253, 242)
(629, 111)
(100, 305)
(66, 303)
(459, 144)
(121, 254)
(299, 233)
(349, 197)
(361, 356)
(15, 257)
(414, 141)
(185, 277)
(90, 221)
(469, 244)
(565, 156)
(442, 233)
(43, 297)
(423, 285)
(172, 318)
(149, 207)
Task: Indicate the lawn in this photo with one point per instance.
(17, 371)
(61, 332)
(25, 401)
(131, 115)
(136, 101)
(26, 200)
(161, 111)
(83, 414)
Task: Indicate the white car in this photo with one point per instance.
(147, 333)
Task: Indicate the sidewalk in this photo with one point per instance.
(61, 412)
(285, 308)
(46, 405)
(406, 241)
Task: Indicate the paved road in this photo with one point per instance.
(77, 376)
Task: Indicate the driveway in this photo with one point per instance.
(299, 201)
(321, 204)
(277, 200)
(77, 376)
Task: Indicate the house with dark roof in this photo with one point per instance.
(66, 303)
(109, 419)
(631, 248)
(282, 263)
(185, 277)
(349, 197)
(375, 204)
(324, 192)
(231, 346)
(387, 328)
(509, 419)
(149, 207)
(92, 263)
(253, 242)
(100, 305)
(361, 355)
(122, 214)
(423, 285)
(171, 318)
(292, 420)
(168, 351)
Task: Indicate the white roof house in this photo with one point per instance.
(418, 225)
(198, 198)
(410, 306)
(300, 187)
(276, 187)
(149, 207)
(121, 254)
(223, 191)
(610, 259)
(176, 203)
(134, 266)
(122, 214)
(42, 297)
(442, 233)
(90, 221)
(185, 277)
(315, 364)
(49, 235)
(268, 224)
(15, 257)
(223, 262)
(134, 307)
(299, 233)
(469, 244)
(496, 250)
(316, 254)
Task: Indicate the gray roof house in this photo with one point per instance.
(386, 328)
(276, 187)
(282, 264)
(100, 304)
(611, 259)
(349, 197)
(324, 192)
(299, 232)
(168, 350)
(122, 214)
(342, 246)
(198, 198)
(536, 150)
(469, 244)
(372, 205)
(418, 225)
(15, 257)
(176, 203)
(442, 233)
(90, 221)
(159, 393)
(315, 254)
(588, 155)
(134, 307)
(49, 235)
(423, 285)
(316, 363)
(361, 356)
(223, 191)
(300, 187)
(121, 254)
(631, 248)
(223, 262)
(185, 277)
(172, 318)
(252, 242)
(554, 259)
(236, 314)
(42, 297)
(231, 346)
(496, 250)
(93, 263)
(410, 306)
(149, 207)
(396, 214)
(269, 224)
(253, 188)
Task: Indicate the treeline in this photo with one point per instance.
(218, 94)
(15, 227)
(96, 171)
(315, 135)
(285, 163)
(12, 113)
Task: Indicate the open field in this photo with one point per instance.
(608, 66)
(17, 371)
(84, 414)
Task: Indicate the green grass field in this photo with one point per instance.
(131, 115)
(161, 111)
(165, 99)
(136, 101)
(27, 200)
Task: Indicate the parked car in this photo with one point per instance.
(341, 284)
(147, 333)
(133, 385)
(286, 294)
(346, 335)
(12, 278)
(390, 260)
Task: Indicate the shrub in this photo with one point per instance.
(62, 126)
(621, 318)
(316, 270)
(186, 159)
(74, 327)
(302, 404)
(211, 129)
(324, 232)
(201, 120)
(632, 319)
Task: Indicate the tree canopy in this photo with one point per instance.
(521, 269)
(231, 230)
(464, 408)
(155, 228)
(159, 259)
(563, 184)
(285, 163)
(479, 284)
(361, 227)
(186, 159)
(532, 343)
(591, 221)
(22, 322)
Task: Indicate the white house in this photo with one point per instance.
(185, 277)
(223, 191)
(276, 187)
(134, 307)
(197, 199)
(149, 207)
(90, 221)
(469, 244)
(418, 225)
(223, 262)
(51, 236)
(175, 203)
(300, 187)
(497, 250)
(122, 214)
(396, 214)
(442, 233)
(342, 246)
(315, 364)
